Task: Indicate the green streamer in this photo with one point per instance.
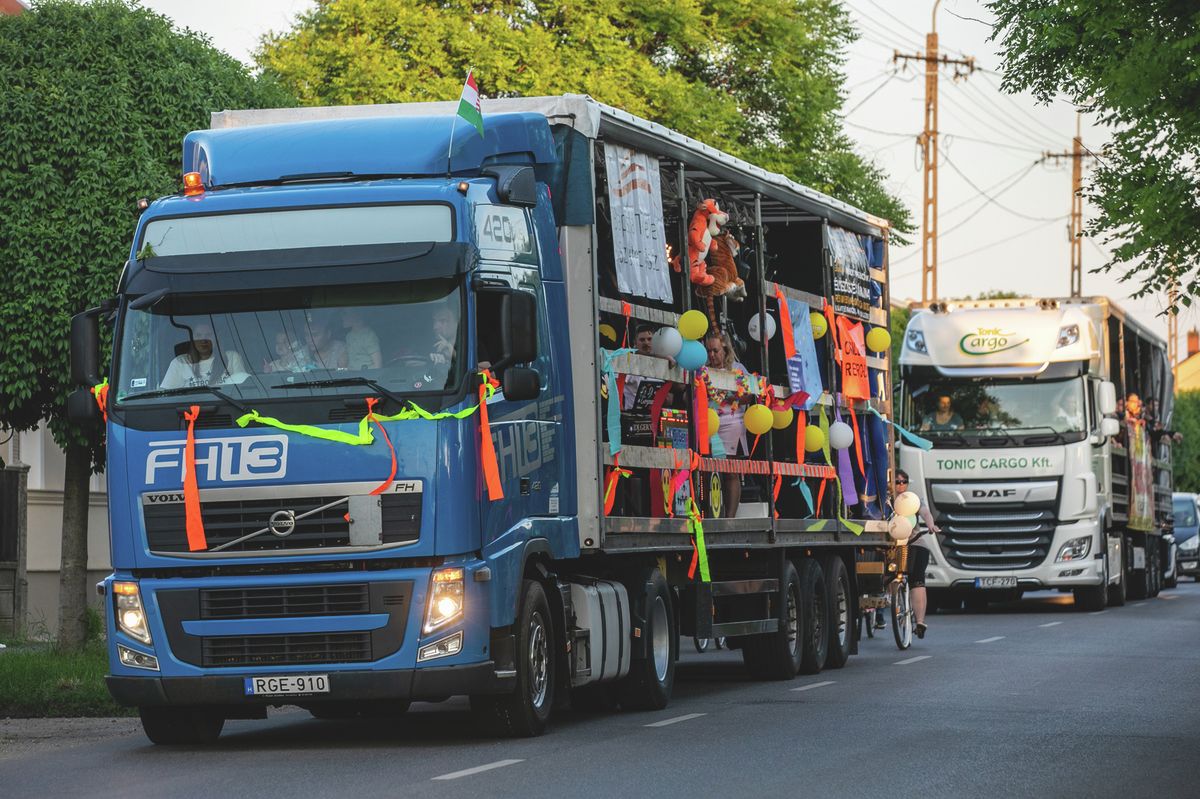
(697, 529)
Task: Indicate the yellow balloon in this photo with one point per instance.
(814, 439)
(819, 324)
(693, 325)
(878, 339)
(758, 419)
(714, 422)
(782, 418)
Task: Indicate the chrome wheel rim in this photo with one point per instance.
(539, 661)
(660, 642)
(843, 613)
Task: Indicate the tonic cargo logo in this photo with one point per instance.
(226, 460)
(987, 341)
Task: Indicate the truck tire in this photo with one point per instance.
(1155, 568)
(526, 711)
(651, 679)
(776, 656)
(172, 726)
(1093, 598)
(814, 627)
(837, 599)
(1118, 592)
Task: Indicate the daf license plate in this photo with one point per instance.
(287, 685)
(995, 582)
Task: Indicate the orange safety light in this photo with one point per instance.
(192, 184)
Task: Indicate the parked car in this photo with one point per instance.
(1187, 535)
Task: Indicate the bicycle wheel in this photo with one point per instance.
(902, 616)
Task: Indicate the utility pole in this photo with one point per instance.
(929, 148)
(1076, 155)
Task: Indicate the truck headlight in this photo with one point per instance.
(1074, 549)
(1067, 335)
(445, 598)
(1191, 545)
(130, 615)
(915, 341)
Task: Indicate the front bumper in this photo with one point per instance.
(1188, 564)
(431, 683)
(1048, 574)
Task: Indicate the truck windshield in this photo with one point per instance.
(405, 337)
(953, 409)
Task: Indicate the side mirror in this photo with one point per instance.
(1106, 398)
(82, 408)
(1109, 426)
(85, 348)
(518, 327)
(521, 383)
(515, 185)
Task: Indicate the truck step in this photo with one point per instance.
(729, 628)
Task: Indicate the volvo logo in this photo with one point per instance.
(282, 523)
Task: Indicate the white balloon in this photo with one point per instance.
(841, 436)
(899, 528)
(752, 327)
(907, 504)
(667, 342)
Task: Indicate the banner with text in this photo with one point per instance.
(635, 205)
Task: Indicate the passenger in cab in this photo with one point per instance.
(328, 352)
(362, 344)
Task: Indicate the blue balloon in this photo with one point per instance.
(692, 355)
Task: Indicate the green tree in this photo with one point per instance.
(1186, 456)
(1133, 63)
(94, 102)
(760, 79)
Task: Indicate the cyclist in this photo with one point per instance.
(918, 557)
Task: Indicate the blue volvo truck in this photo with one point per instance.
(360, 438)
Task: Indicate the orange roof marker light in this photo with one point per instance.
(192, 184)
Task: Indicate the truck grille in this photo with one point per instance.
(304, 600)
(993, 536)
(286, 650)
(240, 520)
(178, 606)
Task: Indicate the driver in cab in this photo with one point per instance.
(203, 363)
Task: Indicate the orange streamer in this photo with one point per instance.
(610, 491)
(785, 322)
(775, 492)
(491, 470)
(100, 392)
(197, 541)
(371, 403)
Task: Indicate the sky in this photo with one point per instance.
(989, 140)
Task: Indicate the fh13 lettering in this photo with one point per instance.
(226, 460)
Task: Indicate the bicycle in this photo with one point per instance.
(898, 594)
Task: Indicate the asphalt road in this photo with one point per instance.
(1031, 698)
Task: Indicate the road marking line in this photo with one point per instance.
(677, 719)
(989, 640)
(911, 660)
(1165, 596)
(1050, 624)
(1138, 604)
(467, 772)
(812, 685)
(1095, 613)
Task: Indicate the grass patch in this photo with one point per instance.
(37, 680)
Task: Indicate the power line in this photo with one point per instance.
(991, 125)
(874, 91)
(1008, 97)
(989, 197)
(981, 99)
(987, 246)
(1015, 177)
(920, 36)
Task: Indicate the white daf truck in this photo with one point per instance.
(1045, 471)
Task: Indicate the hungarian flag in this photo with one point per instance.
(468, 104)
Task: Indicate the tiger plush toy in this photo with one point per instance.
(706, 224)
(722, 268)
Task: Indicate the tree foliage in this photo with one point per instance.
(1186, 455)
(760, 79)
(1134, 64)
(94, 102)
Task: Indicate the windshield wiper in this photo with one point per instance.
(348, 381)
(994, 436)
(943, 437)
(171, 392)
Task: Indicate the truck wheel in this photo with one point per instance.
(814, 617)
(1173, 580)
(837, 599)
(776, 656)
(1117, 593)
(651, 679)
(525, 712)
(1092, 598)
(1155, 568)
(168, 726)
